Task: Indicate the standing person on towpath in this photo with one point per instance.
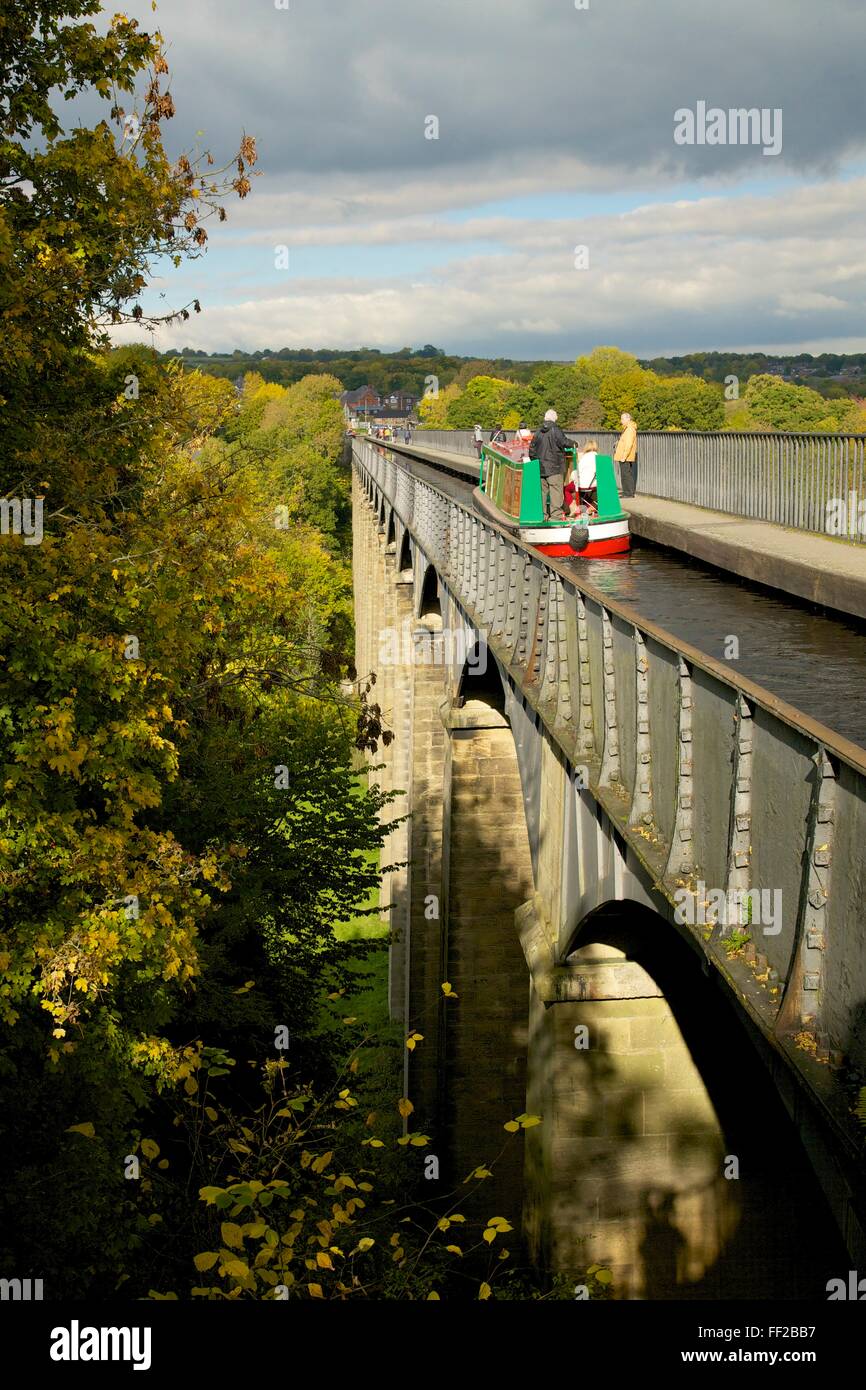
(479, 439)
(549, 447)
(626, 455)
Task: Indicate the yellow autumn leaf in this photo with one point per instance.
(206, 1260)
(236, 1269)
(455, 1249)
(433, 1297)
(315, 1290)
(150, 1148)
(232, 1235)
(86, 1129)
(323, 1260)
(405, 1107)
(512, 1126)
(366, 1243)
(485, 1291)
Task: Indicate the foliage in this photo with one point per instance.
(605, 362)
(621, 391)
(684, 403)
(180, 825)
(773, 402)
(305, 1199)
(433, 410)
(482, 403)
(590, 415)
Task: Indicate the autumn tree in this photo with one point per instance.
(433, 409)
(483, 403)
(781, 406)
(174, 741)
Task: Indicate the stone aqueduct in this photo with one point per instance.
(565, 770)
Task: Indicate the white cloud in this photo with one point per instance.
(700, 272)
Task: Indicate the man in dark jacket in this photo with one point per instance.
(549, 447)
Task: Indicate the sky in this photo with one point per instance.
(565, 201)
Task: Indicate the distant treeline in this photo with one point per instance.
(407, 370)
(833, 375)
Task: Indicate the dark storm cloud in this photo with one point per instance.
(337, 87)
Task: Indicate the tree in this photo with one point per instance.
(483, 403)
(590, 415)
(774, 402)
(684, 403)
(433, 410)
(170, 653)
(620, 391)
(604, 362)
(561, 388)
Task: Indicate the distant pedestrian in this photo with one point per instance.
(479, 440)
(549, 447)
(626, 455)
(407, 435)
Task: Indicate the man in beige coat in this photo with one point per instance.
(626, 455)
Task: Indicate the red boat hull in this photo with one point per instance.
(595, 550)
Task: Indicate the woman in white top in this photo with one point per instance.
(583, 477)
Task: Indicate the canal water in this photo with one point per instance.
(814, 660)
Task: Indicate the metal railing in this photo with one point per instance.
(729, 777)
(809, 482)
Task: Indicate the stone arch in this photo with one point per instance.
(429, 599)
(390, 528)
(404, 552)
(657, 1095)
(480, 682)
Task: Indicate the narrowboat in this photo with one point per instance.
(509, 492)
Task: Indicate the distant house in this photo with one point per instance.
(366, 403)
(362, 398)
